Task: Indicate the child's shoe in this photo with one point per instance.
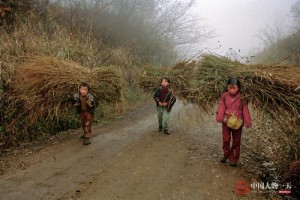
(87, 142)
(232, 164)
(167, 132)
(85, 136)
(160, 129)
(223, 160)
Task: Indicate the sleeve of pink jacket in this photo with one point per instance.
(221, 109)
(246, 115)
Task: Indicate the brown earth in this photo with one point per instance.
(130, 159)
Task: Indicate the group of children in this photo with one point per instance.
(232, 112)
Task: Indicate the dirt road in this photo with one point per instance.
(130, 159)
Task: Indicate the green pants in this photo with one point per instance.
(163, 117)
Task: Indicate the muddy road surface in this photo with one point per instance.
(130, 159)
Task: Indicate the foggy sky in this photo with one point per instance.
(238, 22)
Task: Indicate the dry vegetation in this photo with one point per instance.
(41, 68)
(42, 61)
(41, 91)
(272, 89)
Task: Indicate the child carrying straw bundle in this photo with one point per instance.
(164, 99)
(232, 112)
(85, 104)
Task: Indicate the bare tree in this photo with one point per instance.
(174, 21)
(295, 10)
(152, 29)
(274, 33)
(281, 45)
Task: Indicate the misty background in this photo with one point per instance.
(159, 32)
(239, 24)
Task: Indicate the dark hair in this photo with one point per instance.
(234, 81)
(83, 84)
(166, 78)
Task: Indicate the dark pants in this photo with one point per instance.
(86, 122)
(231, 152)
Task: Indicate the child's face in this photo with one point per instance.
(83, 91)
(233, 89)
(164, 83)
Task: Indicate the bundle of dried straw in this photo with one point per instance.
(42, 87)
(272, 89)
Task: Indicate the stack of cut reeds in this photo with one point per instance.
(150, 76)
(41, 89)
(274, 89)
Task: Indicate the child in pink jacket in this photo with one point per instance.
(231, 102)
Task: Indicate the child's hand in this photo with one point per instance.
(248, 125)
(160, 104)
(165, 104)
